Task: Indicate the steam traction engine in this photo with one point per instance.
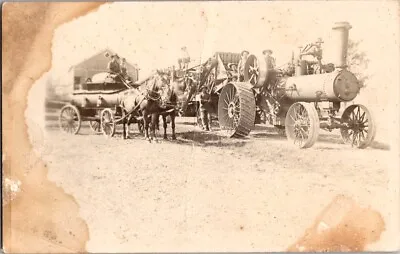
(301, 99)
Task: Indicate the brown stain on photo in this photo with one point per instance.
(342, 226)
(42, 217)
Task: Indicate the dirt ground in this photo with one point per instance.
(204, 192)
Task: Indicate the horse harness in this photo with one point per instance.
(150, 95)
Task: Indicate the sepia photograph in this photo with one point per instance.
(200, 126)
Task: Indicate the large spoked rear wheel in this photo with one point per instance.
(302, 124)
(107, 121)
(359, 129)
(236, 109)
(70, 119)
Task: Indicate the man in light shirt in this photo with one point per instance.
(184, 59)
(271, 63)
(244, 55)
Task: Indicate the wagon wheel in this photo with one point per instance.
(255, 71)
(302, 124)
(95, 126)
(359, 126)
(236, 109)
(70, 119)
(107, 122)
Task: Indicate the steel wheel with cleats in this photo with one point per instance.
(107, 121)
(236, 109)
(70, 119)
(359, 129)
(302, 124)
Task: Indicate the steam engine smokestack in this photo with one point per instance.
(341, 38)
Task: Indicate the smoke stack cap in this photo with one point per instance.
(343, 24)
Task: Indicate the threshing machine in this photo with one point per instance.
(300, 99)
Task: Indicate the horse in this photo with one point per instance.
(146, 100)
(180, 90)
(169, 100)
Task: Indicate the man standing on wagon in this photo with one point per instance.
(123, 68)
(113, 65)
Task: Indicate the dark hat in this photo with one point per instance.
(267, 51)
(244, 52)
(115, 55)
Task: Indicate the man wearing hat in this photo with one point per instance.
(113, 65)
(205, 99)
(271, 80)
(233, 73)
(244, 55)
(123, 67)
(269, 58)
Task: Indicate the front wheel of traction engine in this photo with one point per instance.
(359, 126)
(107, 122)
(302, 124)
(236, 109)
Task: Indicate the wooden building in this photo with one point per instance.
(98, 63)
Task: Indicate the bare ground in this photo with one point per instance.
(204, 192)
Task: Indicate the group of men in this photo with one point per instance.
(271, 64)
(117, 67)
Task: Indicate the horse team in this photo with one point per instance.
(155, 97)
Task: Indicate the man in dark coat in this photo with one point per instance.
(113, 65)
(205, 99)
(123, 68)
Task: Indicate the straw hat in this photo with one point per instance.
(267, 51)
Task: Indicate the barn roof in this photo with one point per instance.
(102, 52)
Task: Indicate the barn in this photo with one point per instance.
(98, 63)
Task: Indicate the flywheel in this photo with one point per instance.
(236, 109)
(255, 71)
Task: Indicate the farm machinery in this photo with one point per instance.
(300, 100)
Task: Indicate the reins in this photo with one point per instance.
(157, 97)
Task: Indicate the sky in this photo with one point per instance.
(150, 34)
